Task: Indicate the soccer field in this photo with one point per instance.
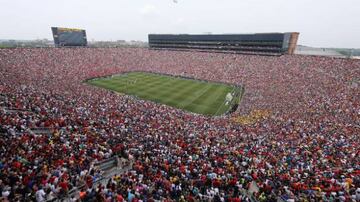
(188, 94)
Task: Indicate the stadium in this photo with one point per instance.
(191, 117)
(296, 128)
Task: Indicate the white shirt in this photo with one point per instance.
(40, 195)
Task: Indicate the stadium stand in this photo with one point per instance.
(294, 137)
(260, 44)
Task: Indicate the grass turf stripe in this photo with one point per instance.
(192, 95)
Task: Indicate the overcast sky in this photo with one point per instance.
(321, 23)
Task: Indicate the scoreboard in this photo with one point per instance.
(69, 37)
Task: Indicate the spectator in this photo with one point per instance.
(305, 148)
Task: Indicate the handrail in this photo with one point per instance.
(103, 179)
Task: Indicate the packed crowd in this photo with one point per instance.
(306, 150)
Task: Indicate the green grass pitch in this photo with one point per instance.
(188, 94)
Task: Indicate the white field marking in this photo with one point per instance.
(229, 97)
(217, 96)
(224, 102)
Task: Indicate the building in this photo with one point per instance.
(261, 43)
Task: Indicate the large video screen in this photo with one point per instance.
(69, 36)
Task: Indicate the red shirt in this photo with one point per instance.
(119, 198)
(64, 185)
